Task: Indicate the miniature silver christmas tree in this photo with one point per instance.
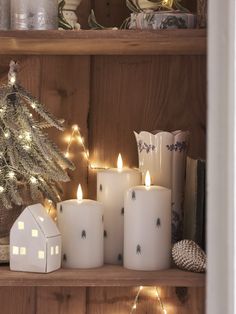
(31, 166)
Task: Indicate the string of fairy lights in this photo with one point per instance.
(136, 299)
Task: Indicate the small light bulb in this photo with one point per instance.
(33, 180)
(33, 105)
(26, 147)
(6, 134)
(75, 127)
(1, 189)
(134, 306)
(11, 174)
(141, 288)
(13, 80)
(67, 154)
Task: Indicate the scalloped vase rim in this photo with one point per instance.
(158, 132)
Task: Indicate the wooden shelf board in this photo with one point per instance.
(103, 277)
(105, 42)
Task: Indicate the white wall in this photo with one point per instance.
(221, 157)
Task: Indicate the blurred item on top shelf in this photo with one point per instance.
(165, 14)
(202, 13)
(68, 19)
(34, 15)
(4, 14)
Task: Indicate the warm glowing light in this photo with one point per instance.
(33, 180)
(68, 138)
(1, 189)
(134, 307)
(81, 140)
(75, 127)
(67, 154)
(13, 80)
(141, 288)
(11, 174)
(119, 162)
(148, 179)
(79, 193)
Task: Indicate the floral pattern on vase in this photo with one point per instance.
(164, 155)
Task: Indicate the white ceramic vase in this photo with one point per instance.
(69, 12)
(164, 155)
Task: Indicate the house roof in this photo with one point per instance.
(43, 220)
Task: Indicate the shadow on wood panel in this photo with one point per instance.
(144, 93)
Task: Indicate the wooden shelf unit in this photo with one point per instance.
(105, 42)
(107, 276)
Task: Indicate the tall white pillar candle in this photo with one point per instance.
(111, 187)
(147, 228)
(81, 225)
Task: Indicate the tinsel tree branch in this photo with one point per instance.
(31, 165)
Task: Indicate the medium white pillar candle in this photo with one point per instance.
(111, 187)
(147, 227)
(81, 225)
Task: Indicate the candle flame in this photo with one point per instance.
(148, 179)
(79, 193)
(119, 162)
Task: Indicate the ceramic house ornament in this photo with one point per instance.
(35, 242)
(164, 155)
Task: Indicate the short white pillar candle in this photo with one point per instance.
(81, 225)
(147, 227)
(112, 184)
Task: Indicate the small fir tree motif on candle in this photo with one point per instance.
(105, 234)
(83, 234)
(61, 209)
(122, 211)
(158, 223)
(120, 257)
(100, 187)
(102, 218)
(64, 258)
(133, 195)
(138, 249)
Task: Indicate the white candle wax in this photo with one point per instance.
(81, 225)
(111, 187)
(147, 228)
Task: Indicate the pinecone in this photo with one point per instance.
(187, 255)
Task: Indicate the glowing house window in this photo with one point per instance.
(41, 254)
(21, 225)
(57, 249)
(35, 233)
(22, 251)
(15, 250)
(52, 250)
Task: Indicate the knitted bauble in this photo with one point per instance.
(187, 255)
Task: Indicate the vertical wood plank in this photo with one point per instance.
(61, 300)
(17, 300)
(65, 90)
(144, 93)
